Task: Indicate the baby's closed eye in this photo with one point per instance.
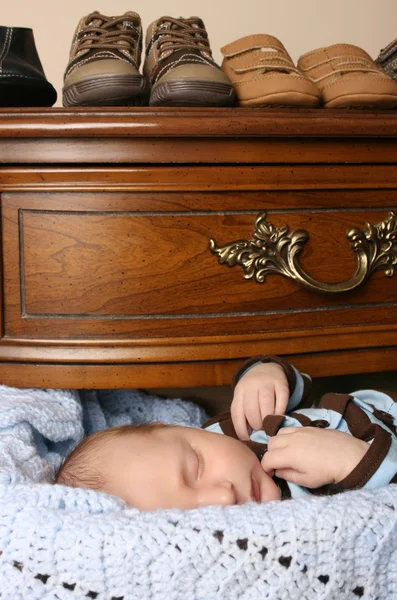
(200, 464)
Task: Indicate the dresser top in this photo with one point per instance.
(194, 122)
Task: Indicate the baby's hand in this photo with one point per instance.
(263, 390)
(313, 457)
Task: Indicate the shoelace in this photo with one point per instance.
(351, 65)
(183, 34)
(109, 33)
(270, 63)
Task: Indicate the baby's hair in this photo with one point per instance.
(78, 470)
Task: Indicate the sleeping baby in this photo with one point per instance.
(272, 445)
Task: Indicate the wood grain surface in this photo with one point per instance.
(107, 278)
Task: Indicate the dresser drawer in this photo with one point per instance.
(128, 270)
(157, 247)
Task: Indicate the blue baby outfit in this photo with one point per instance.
(370, 415)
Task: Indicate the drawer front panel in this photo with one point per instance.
(123, 271)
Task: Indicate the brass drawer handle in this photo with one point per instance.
(274, 250)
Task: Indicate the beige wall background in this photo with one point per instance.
(301, 25)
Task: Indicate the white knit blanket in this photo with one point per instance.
(58, 543)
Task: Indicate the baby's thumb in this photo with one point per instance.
(289, 475)
(287, 430)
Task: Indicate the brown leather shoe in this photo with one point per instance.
(180, 68)
(263, 74)
(348, 77)
(103, 69)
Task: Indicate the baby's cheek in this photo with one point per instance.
(269, 490)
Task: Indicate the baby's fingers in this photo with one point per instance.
(281, 390)
(266, 403)
(291, 475)
(286, 430)
(252, 409)
(238, 417)
(276, 459)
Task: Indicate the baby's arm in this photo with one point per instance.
(265, 385)
(313, 457)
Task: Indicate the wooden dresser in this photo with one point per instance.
(154, 248)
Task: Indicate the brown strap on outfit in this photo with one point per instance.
(272, 423)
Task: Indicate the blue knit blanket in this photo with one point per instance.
(68, 544)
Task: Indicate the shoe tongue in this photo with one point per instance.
(132, 21)
(126, 25)
(193, 22)
(96, 20)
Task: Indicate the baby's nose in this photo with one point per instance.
(222, 493)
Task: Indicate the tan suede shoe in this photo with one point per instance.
(179, 65)
(263, 74)
(348, 77)
(103, 68)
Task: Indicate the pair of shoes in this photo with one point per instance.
(341, 75)
(22, 79)
(387, 59)
(178, 70)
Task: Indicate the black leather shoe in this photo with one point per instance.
(22, 79)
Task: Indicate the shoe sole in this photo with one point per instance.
(110, 90)
(192, 93)
(17, 93)
(363, 101)
(281, 99)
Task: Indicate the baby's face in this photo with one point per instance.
(179, 467)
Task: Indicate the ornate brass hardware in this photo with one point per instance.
(274, 250)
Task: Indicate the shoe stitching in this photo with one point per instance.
(276, 49)
(23, 76)
(270, 64)
(375, 79)
(6, 47)
(250, 37)
(286, 92)
(93, 58)
(343, 72)
(344, 58)
(325, 49)
(357, 64)
(259, 79)
(172, 65)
